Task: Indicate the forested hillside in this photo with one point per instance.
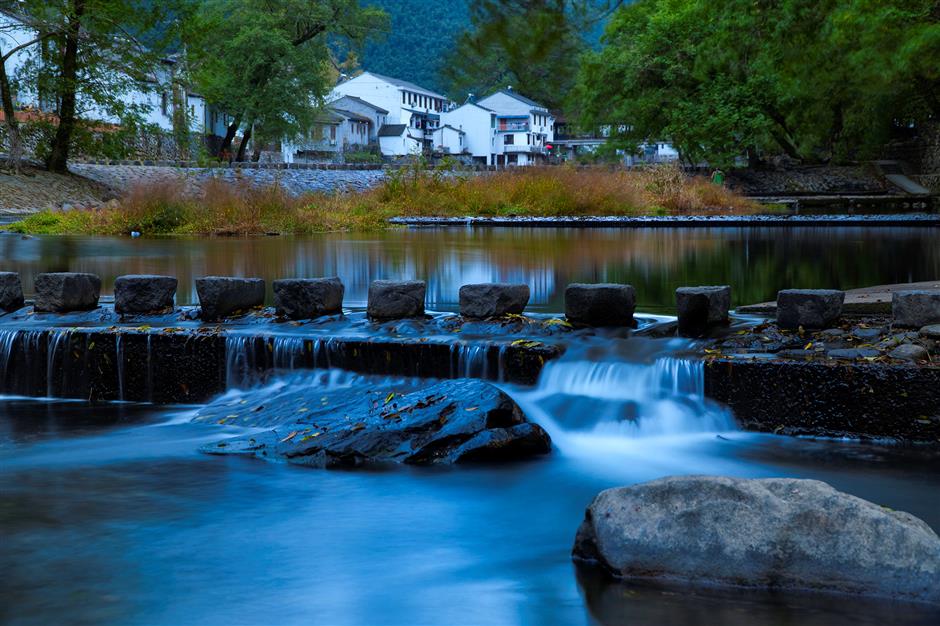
(422, 34)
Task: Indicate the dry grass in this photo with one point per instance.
(223, 208)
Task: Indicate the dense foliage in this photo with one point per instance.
(818, 80)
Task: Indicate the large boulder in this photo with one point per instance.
(601, 304)
(143, 293)
(488, 300)
(307, 298)
(392, 300)
(700, 307)
(775, 533)
(220, 296)
(913, 309)
(11, 291)
(449, 422)
(61, 292)
(809, 308)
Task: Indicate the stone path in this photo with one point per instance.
(863, 301)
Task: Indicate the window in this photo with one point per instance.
(509, 140)
(404, 97)
(332, 133)
(164, 103)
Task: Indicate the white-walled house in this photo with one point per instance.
(446, 139)
(479, 126)
(376, 114)
(336, 131)
(524, 128)
(155, 94)
(406, 103)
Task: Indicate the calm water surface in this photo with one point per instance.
(755, 261)
(109, 516)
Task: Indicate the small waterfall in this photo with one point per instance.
(250, 361)
(119, 364)
(470, 361)
(609, 397)
(57, 361)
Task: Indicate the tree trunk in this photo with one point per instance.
(14, 148)
(243, 147)
(226, 147)
(256, 155)
(59, 155)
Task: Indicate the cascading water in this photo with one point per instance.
(630, 389)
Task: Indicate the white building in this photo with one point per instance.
(155, 94)
(524, 128)
(407, 104)
(479, 127)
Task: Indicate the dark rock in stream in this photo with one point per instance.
(809, 308)
(143, 293)
(390, 299)
(774, 533)
(487, 300)
(11, 291)
(223, 295)
(308, 298)
(601, 304)
(441, 423)
(62, 292)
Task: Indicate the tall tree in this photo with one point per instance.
(92, 56)
(532, 45)
(268, 64)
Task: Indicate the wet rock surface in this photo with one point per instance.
(600, 304)
(307, 298)
(769, 533)
(914, 309)
(143, 293)
(11, 291)
(809, 308)
(700, 307)
(439, 423)
(62, 292)
(389, 299)
(488, 300)
(222, 295)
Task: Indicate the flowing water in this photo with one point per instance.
(109, 516)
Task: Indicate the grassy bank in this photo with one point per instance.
(220, 208)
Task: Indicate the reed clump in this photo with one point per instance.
(219, 207)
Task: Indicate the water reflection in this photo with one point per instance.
(756, 261)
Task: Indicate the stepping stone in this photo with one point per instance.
(220, 296)
(601, 304)
(914, 309)
(487, 300)
(11, 291)
(307, 298)
(809, 308)
(390, 300)
(61, 292)
(699, 307)
(143, 293)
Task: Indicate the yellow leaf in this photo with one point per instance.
(389, 397)
(289, 437)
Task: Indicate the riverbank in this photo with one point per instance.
(220, 207)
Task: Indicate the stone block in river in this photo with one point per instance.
(143, 293)
(60, 292)
(809, 308)
(700, 307)
(600, 304)
(773, 533)
(441, 423)
(487, 300)
(307, 298)
(914, 309)
(220, 296)
(390, 299)
(11, 291)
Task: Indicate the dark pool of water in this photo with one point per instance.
(755, 261)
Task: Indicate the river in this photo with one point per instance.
(109, 516)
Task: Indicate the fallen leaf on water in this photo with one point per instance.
(389, 397)
(289, 437)
(472, 408)
(357, 426)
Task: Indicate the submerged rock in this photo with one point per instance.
(909, 352)
(442, 423)
(772, 533)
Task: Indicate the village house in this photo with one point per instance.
(335, 132)
(479, 127)
(525, 129)
(412, 112)
(159, 97)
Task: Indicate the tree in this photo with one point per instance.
(89, 54)
(268, 64)
(816, 80)
(532, 45)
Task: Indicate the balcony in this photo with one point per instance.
(524, 149)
